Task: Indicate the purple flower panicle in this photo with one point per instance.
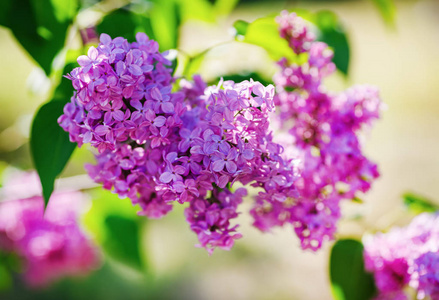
(322, 129)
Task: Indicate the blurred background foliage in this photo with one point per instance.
(390, 44)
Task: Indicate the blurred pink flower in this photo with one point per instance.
(52, 244)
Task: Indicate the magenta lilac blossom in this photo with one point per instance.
(322, 129)
(406, 256)
(51, 244)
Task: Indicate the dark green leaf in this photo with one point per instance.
(419, 204)
(241, 27)
(50, 145)
(123, 240)
(387, 10)
(5, 6)
(333, 34)
(40, 26)
(243, 76)
(5, 278)
(64, 90)
(174, 64)
(349, 280)
(125, 23)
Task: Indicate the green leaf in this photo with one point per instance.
(50, 145)
(419, 204)
(125, 23)
(196, 10)
(193, 64)
(64, 90)
(243, 76)
(109, 220)
(349, 280)
(264, 33)
(174, 64)
(5, 6)
(40, 26)
(5, 279)
(387, 10)
(65, 10)
(165, 22)
(123, 242)
(333, 34)
(241, 27)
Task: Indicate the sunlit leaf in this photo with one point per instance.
(224, 7)
(241, 27)
(50, 145)
(387, 10)
(264, 33)
(165, 22)
(65, 10)
(419, 204)
(193, 65)
(349, 280)
(196, 10)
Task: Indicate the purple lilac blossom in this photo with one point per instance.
(295, 31)
(51, 243)
(406, 256)
(322, 128)
(159, 147)
(211, 220)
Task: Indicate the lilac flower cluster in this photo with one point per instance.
(101, 114)
(162, 143)
(295, 31)
(322, 129)
(159, 147)
(51, 243)
(406, 256)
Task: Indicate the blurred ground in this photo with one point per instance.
(403, 62)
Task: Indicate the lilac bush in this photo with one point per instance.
(163, 140)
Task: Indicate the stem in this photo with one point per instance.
(73, 183)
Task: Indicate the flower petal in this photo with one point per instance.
(218, 166)
(166, 177)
